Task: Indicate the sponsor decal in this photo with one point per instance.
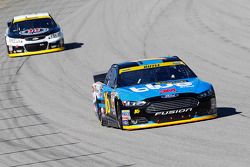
(112, 98)
(34, 31)
(97, 90)
(161, 86)
(125, 122)
(169, 96)
(125, 112)
(126, 70)
(102, 110)
(167, 90)
(137, 111)
(10, 48)
(171, 82)
(151, 66)
(126, 115)
(134, 121)
(173, 111)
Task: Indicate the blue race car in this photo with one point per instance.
(152, 93)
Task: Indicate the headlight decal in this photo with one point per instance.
(207, 93)
(54, 35)
(133, 103)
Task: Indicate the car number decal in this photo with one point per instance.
(107, 103)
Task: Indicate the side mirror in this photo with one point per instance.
(9, 24)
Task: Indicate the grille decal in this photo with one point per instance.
(172, 105)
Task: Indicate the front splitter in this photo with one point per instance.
(151, 125)
(35, 52)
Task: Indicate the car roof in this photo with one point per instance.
(148, 61)
(31, 16)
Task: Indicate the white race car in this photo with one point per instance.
(33, 34)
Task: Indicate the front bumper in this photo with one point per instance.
(41, 46)
(169, 112)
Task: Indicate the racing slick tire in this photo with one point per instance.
(7, 48)
(99, 113)
(118, 115)
(62, 44)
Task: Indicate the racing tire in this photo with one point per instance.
(8, 51)
(99, 113)
(7, 47)
(118, 115)
(63, 42)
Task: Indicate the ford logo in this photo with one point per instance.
(169, 96)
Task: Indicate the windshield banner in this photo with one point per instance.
(34, 31)
(135, 68)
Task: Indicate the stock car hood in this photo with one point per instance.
(144, 91)
(43, 31)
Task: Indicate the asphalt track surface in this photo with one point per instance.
(46, 116)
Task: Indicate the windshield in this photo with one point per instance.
(45, 23)
(151, 75)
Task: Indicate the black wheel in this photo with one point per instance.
(99, 113)
(118, 115)
(62, 43)
(8, 51)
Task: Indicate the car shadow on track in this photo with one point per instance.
(226, 111)
(73, 45)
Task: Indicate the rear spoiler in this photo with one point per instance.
(99, 77)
